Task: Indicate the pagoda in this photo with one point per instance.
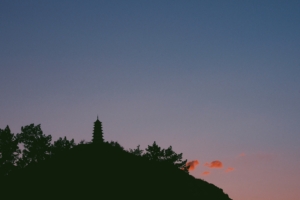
(98, 133)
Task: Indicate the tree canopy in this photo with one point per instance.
(36, 147)
(9, 151)
(61, 145)
(155, 153)
(137, 151)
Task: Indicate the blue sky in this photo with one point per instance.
(214, 79)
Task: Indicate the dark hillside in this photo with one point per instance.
(92, 171)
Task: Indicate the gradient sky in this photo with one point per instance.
(217, 80)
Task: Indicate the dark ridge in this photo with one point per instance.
(93, 171)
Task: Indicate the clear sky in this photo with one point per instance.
(217, 80)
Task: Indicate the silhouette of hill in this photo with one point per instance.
(91, 171)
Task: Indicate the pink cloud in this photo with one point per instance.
(230, 169)
(214, 164)
(205, 173)
(242, 155)
(192, 164)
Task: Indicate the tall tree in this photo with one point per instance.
(61, 145)
(37, 146)
(9, 151)
(176, 159)
(156, 153)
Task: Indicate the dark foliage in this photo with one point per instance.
(37, 146)
(91, 171)
(61, 145)
(137, 151)
(116, 145)
(155, 153)
(9, 151)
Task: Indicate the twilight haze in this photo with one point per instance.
(217, 80)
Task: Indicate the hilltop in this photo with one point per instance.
(92, 170)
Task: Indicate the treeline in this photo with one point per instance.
(30, 146)
(156, 153)
(33, 146)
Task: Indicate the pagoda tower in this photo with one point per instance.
(98, 133)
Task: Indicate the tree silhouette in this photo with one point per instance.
(94, 163)
(37, 146)
(83, 142)
(137, 151)
(154, 152)
(176, 159)
(116, 145)
(9, 151)
(61, 145)
(117, 174)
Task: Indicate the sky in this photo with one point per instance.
(219, 81)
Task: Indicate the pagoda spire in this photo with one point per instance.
(98, 132)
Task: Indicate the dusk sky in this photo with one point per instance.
(217, 80)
